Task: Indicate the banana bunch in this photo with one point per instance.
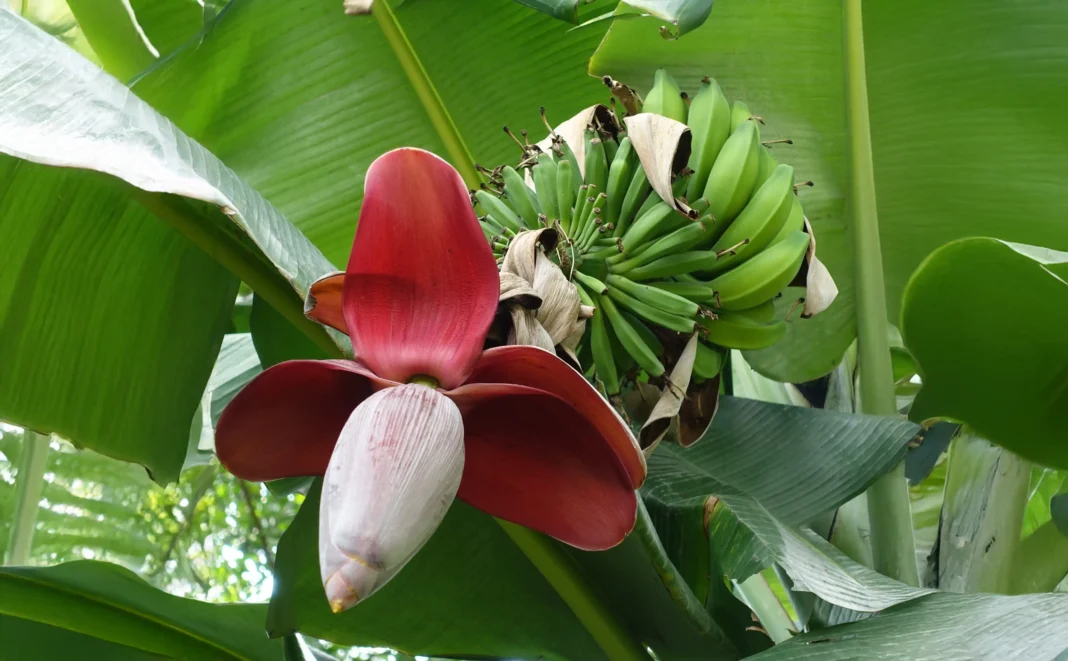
(710, 260)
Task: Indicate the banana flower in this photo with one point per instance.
(423, 414)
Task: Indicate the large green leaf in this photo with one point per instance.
(112, 604)
(1005, 374)
(486, 597)
(302, 98)
(797, 462)
(103, 307)
(760, 471)
(942, 627)
(963, 95)
(26, 639)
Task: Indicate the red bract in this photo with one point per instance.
(424, 414)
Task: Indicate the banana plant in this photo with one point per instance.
(169, 192)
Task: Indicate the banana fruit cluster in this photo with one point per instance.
(708, 255)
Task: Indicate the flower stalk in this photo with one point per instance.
(982, 514)
(563, 576)
(893, 546)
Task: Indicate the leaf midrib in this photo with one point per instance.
(428, 94)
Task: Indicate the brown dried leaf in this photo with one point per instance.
(671, 398)
(700, 406)
(515, 290)
(820, 289)
(521, 257)
(569, 345)
(640, 400)
(526, 329)
(560, 302)
(663, 147)
(573, 133)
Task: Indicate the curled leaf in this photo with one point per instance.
(573, 130)
(698, 409)
(663, 147)
(526, 329)
(820, 289)
(521, 257)
(561, 307)
(672, 395)
(518, 291)
(527, 274)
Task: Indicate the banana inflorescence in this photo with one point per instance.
(710, 261)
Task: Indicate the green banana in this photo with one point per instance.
(565, 194)
(647, 334)
(601, 345)
(610, 149)
(762, 314)
(697, 292)
(740, 114)
(631, 340)
(590, 283)
(732, 177)
(596, 165)
(762, 277)
(501, 213)
(709, 361)
(765, 167)
(582, 205)
(665, 98)
(637, 193)
(568, 155)
(660, 219)
(738, 331)
(491, 223)
(759, 222)
(619, 175)
(684, 238)
(653, 314)
(658, 298)
(795, 222)
(544, 176)
(674, 265)
(710, 126)
(651, 201)
(594, 220)
(520, 197)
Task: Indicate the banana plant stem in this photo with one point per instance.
(427, 93)
(30, 480)
(563, 576)
(893, 546)
(982, 514)
(761, 599)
